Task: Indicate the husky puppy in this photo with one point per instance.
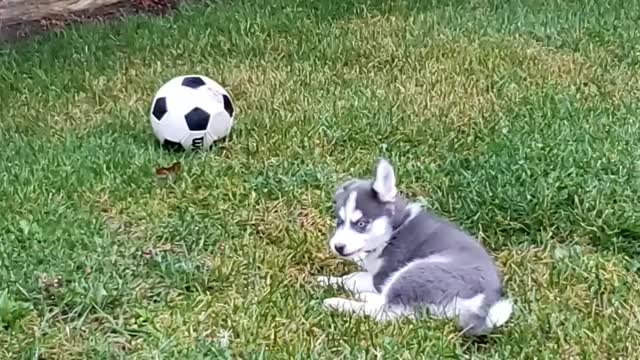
(412, 260)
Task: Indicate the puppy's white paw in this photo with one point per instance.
(370, 297)
(328, 280)
(337, 304)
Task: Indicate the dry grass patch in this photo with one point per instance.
(581, 300)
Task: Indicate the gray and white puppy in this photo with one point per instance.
(412, 260)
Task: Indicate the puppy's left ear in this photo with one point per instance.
(384, 183)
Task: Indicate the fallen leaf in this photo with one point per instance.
(174, 169)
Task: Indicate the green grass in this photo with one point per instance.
(517, 119)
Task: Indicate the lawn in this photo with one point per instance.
(520, 120)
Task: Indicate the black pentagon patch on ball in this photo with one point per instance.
(172, 146)
(193, 82)
(228, 107)
(197, 119)
(160, 107)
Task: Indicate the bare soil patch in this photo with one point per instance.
(27, 29)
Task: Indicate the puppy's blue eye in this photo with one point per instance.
(361, 224)
(339, 222)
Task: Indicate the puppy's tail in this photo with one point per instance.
(499, 313)
(476, 324)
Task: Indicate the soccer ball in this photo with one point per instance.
(191, 112)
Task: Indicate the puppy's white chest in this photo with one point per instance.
(372, 262)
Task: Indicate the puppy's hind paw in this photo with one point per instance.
(337, 304)
(370, 297)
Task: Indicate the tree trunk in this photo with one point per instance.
(15, 11)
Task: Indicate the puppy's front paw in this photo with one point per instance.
(328, 280)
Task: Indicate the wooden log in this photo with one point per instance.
(17, 11)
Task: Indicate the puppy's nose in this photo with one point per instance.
(339, 249)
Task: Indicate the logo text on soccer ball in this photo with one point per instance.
(197, 143)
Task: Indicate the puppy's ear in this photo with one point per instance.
(384, 183)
